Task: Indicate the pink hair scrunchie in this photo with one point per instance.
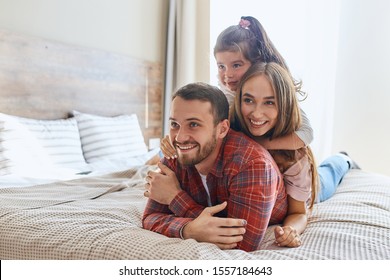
(244, 23)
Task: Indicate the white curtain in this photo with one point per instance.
(187, 39)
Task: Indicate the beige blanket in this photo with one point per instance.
(100, 218)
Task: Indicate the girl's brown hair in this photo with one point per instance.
(254, 44)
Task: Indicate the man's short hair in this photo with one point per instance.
(207, 93)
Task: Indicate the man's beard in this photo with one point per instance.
(201, 154)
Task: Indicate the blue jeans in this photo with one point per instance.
(331, 171)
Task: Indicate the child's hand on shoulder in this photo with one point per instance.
(287, 236)
(166, 148)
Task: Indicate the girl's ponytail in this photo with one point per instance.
(267, 51)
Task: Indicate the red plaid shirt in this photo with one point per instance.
(245, 175)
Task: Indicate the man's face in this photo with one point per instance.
(192, 130)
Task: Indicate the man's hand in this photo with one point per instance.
(162, 186)
(223, 232)
(287, 236)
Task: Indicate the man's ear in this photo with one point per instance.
(224, 128)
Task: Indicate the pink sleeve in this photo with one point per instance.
(297, 180)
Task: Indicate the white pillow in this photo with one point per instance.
(29, 145)
(110, 137)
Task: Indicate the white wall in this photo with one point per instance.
(339, 48)
(306, 34)
(362, 108)
(131, 27)
(341, 51)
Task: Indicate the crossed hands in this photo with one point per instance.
(287, 236)
(223, 232)
(162, 185)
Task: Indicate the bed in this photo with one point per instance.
(86, 202)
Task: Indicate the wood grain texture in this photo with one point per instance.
(45, 79)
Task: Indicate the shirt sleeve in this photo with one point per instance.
(169, 220)
(159, 218)
(253, 192)
(297, 180)
(305, 131)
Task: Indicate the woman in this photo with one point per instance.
(265, 109)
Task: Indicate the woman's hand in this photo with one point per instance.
(287, 236)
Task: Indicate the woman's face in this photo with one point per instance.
(231, 67)
(258, 105)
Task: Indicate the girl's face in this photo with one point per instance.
(258, 105)
(231, 67)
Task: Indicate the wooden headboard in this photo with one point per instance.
(44, 79)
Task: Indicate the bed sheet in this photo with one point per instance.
(99, 217)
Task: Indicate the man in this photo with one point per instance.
(223, 188)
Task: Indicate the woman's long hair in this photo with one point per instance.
(288, 119)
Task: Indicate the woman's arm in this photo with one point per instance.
(294, 224)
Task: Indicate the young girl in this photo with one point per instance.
(266, 108)
(236, 49)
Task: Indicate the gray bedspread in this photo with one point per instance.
(100, 218)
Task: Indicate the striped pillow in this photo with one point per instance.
(110, 137)
(28, 144)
